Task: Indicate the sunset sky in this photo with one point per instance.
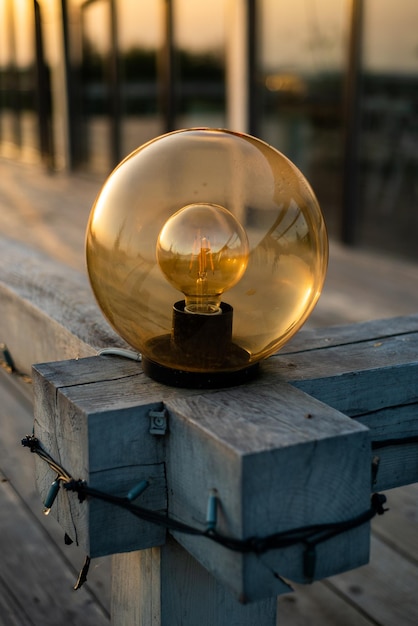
(304, 35)
(300, 32)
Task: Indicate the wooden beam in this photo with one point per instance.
(48, 310)
(369, 372)
(48, 314)
(277, 458)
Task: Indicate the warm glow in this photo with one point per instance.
(203, 251)
(173, 219)
(304, 36)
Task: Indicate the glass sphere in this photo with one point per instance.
(219, 219)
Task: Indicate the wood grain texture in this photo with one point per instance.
(369, 372)
(167, 587)
(274, 469)
(278, 459)
(48, 309)
(136, 588)
(57, 342)
(111, 450)
(201, 598)
(45, 600)
(16, 420)
(386, 576)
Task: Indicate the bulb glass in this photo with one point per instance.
(220, 217)
(203, 251)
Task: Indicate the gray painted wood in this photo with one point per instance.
(277, 458)
(45, 601)
(70, 344)
(110, 449)
(144, 593)
(16, 420)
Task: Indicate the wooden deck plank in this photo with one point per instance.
(385, 589)
(318, 605)
(382, 592)
(11, 611)
(33, 574)
(16, 421)
(399, 527)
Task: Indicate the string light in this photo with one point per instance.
(309, 536)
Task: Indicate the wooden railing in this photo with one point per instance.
(331, 420)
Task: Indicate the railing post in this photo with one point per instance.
(277, 459)
(166, 586)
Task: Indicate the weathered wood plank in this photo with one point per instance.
(388, 575)
(111, 450)
(318, 605)
(374, 381)
(45, 600)
(333, 336)
(12, 614)
(48, 310)
(396, 466)
(324, 604)
(16, 420)
(258, 445)
(216, 604)
(144, 593)
(384, 355)
(263, 424)
(136, 597)
(399, 527)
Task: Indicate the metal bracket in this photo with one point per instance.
(158, 422)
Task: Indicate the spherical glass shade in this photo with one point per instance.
(206, 250)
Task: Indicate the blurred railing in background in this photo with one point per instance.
(331, 83)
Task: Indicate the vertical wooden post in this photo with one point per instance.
(167, 587)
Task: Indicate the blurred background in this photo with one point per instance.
(333, 84)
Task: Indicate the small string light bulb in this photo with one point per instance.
(51, 496)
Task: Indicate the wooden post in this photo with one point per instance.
(277, 458)
(166, 586)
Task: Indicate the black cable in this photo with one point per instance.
(309, 535)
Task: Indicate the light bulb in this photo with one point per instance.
(203, 251)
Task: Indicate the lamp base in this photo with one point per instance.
(198, 380)
(199, 352)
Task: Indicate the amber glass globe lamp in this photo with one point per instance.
(206, 251)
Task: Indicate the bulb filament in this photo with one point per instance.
(202, 252)
(202, 257)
